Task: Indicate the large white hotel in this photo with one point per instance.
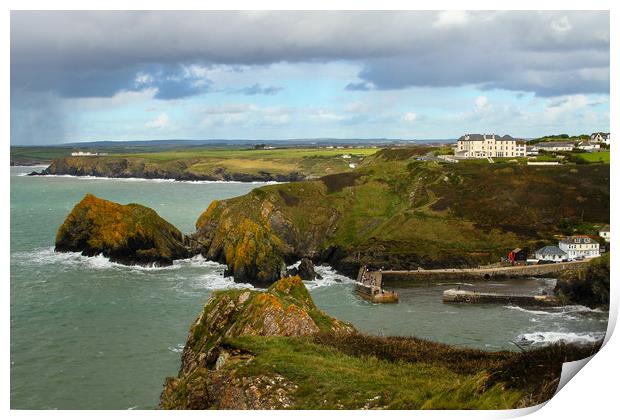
(489, 145)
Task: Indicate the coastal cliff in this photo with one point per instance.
(204, 381)
(127, 234)
(587, 285)
(276, 350)
(397, 212)
(180, 170)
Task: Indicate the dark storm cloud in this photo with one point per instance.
(100, 53)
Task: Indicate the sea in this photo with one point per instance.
(87, 333)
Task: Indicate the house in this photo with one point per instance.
(531, 151)
(555, 146)
(482, 146)
(580, 246)
(604, 233)
(600, 138)
(551, 253)
(87, 154)
(589, 146)
(517, 255)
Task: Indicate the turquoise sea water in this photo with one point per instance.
(87, 333)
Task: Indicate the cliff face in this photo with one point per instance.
(185, 169)
(400, 213)
(128, 234)
(587, 285)
(285, 309)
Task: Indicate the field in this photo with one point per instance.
(204, 163)
(596, 157)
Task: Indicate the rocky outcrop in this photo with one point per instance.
(127, 234)
(305, 270)
(587, 285)
(207, 379)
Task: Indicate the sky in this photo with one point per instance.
(135, 75)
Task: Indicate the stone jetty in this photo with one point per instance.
(468, 296)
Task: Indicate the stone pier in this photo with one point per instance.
(467, 296)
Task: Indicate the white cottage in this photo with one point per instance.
(551, 253)
(604, 233)
(580, 246)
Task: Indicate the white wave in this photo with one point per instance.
(567, 312)
(330, 278)
(177, 349)
(552, 337)
(157, 180)
(47, 256)
(216, 281)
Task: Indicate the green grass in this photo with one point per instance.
(596, 157)
(220, 163)
(21, 154)
(404, 213)
(328, 378)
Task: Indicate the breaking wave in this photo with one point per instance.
(156, 180)
(570, 312)
(329, 277)
(553, 337)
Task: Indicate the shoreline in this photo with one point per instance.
(142, 179)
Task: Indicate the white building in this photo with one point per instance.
(551, 253)
(588, 145)
(600, 138)
(604, 233)
(580, 246)
(531, 151)
(555, 146)
(489, 145)
(84, 154)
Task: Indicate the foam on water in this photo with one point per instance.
(156, 180)
(552, 337)
(571, 312)
(47, 256)
(329, 277)
(216, 281)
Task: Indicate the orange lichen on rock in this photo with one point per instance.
(128, 234)
(285, 309)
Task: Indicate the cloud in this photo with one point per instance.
(84, 53)
(258, 89)
(363, 86)
(451, 18)
(410, 117)
(482, 104)
(229, 109)
(162, 121)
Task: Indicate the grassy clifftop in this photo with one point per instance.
(398, 212)
(275, 350)
(215, 164)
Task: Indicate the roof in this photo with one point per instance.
(577, 239)
(517, 250)
(550, 250)
(481, 137)
(604, 229)
(555, 144)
